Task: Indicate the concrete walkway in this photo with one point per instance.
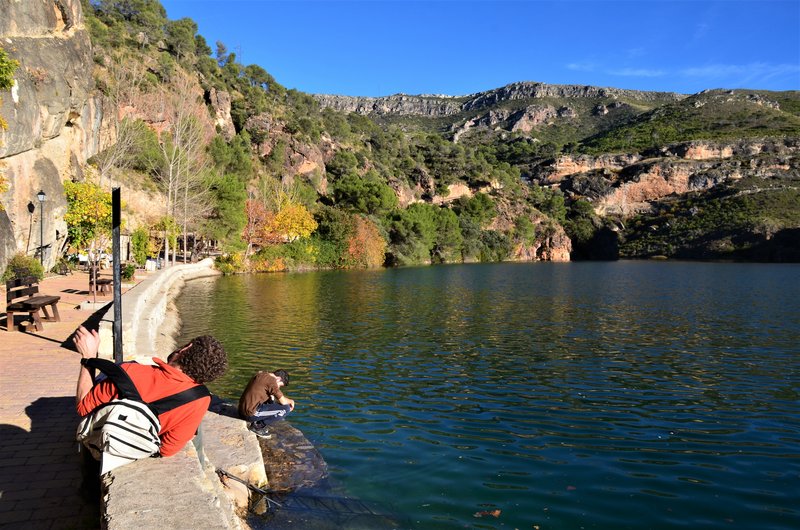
(40, 471)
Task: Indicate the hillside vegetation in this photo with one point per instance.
(280, 179)
(711, 115)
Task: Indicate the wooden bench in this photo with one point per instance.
(96, 283)
(22, 296)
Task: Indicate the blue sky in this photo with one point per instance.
(375, 48)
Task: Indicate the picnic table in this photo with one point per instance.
(97, 283)
(22, 296)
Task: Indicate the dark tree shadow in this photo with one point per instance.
(46, 481)
(44, 484)
(76, 291)
(91, 323)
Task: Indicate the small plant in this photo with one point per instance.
(22, 265)
(127, 272)
(63, 266)
(140, 243)
(39, 76)
(229, 263)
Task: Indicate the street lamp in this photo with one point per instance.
(41, 196)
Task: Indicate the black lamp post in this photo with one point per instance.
(41, 196)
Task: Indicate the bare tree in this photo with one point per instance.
(196, 200)
(183, 139)
(123, 89)
(277, 193)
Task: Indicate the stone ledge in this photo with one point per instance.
(165, 493)
(179, 492)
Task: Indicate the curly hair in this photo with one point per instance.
(204, 359)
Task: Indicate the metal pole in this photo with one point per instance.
(115, 222)
(41, 234)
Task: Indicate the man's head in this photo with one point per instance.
(204, 359)
(283, 375)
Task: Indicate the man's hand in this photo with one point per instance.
(86, 342)
(286, 401)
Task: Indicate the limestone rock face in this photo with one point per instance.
(525, 90)
(556, 247)
(37, 17)
(300, 159)
(533, 116)
(491, 119)
(627, 184)
(398, 104)
(646, 182)
(523, 120)
(439, 106)
(571, 165)
(552, 245)
(407, 195)
(221, 103)
(705, 150)
(52, 87)
(53, 118)
(454, 191)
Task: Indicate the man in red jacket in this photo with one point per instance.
(202, 360)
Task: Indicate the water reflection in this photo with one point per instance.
(611, 395)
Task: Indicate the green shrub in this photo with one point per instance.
(328, 253)
(497, 246)
(22, 265)
(140, 241)
(128, 271)
(64, 265)
(229, 263)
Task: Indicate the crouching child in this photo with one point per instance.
(263, 402)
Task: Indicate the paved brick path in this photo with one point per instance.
(40, 468)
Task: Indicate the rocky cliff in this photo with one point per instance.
(398, 104)
(439, 106)
(626, 185)
(53, 118)
(531, 90)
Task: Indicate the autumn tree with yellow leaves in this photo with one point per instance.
(293, 222)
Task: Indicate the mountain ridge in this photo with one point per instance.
(445, 105)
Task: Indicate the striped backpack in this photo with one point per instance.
(126, 428)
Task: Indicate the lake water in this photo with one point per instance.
(580, 395)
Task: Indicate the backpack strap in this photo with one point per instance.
(115, 374)
(174, 401)
(126, 388)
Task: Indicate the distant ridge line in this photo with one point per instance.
(442, 105)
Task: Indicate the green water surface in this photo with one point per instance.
(581, 395)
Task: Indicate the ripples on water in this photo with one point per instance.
(596, 395)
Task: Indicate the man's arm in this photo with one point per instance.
(283, 400)
(87, 343)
